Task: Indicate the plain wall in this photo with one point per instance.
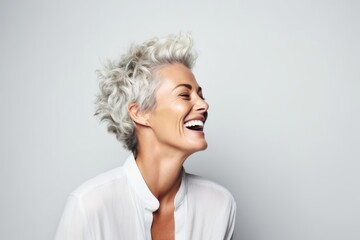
(282, 79)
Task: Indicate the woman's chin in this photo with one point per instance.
(200, 146)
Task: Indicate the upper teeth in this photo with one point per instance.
(194, 123)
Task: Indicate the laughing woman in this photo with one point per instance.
(155, 107)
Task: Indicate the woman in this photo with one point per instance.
(155, 107)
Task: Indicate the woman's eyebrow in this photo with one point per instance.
(183, 85)
(188, 86)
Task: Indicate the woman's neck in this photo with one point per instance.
(161, 173)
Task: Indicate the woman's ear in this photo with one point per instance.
(138, 116)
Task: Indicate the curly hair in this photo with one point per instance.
(132, 79)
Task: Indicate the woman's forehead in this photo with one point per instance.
(176, 75)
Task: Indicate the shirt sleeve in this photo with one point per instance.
(231, 222)
(73, 224)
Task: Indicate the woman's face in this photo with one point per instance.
(180, 113)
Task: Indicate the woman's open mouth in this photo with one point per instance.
(196, 125)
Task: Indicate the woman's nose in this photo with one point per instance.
(202, 105)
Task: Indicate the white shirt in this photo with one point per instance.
(118, 205)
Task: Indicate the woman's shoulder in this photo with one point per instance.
(107, 181)
(206, 188)
(212, 204)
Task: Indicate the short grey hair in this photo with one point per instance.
(132, 79)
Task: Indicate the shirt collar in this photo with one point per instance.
(139, 186)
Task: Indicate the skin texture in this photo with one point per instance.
(164, 142)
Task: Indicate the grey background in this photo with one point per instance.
(281, 77)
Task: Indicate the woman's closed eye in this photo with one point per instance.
(185, 95)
